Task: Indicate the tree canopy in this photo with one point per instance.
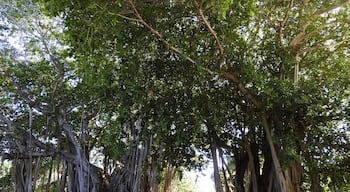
(125, 95)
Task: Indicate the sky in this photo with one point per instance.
(203, 179)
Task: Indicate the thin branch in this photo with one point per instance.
(324, 11)
(3, 117)
(329, 9)
(252, 36)
(280, 34)
(224, 165)
(24, 95)
(298, 40)
(56, 63)
(127, 18)
(236, 82)
(248, 95)
(142, 21)
(310, 49)
(302, 36)
(210, 29)
(282, 24)
(156, 33)
(27, 155)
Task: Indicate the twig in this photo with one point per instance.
(323, 47)
(329, 9)
(235, 80)
(280, 35)
(210, 29)
(127, 18)
(283, 22)
(320, 12)
(155, 32)
(8, 122)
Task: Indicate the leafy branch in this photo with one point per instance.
(140, 20)
(283, 22)
(231, 77)
(210, 29)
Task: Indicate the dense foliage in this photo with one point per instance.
(123, 95)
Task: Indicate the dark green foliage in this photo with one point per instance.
(158, 63)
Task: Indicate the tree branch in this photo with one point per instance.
(26, 155)
(310, 49)
(156, 33)
(7, 121)
(126, 17)
(248, 95)
(210, 29)
(283, 22)
(302, 35)
(329, 9)
(236, 82)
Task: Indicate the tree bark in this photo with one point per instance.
(80, 176)
(278, 175)
(241, 163)
(253, 174)
(315, 181)
(170, 173)
(217, 179)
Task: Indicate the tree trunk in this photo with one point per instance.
(19, 174)
(241, 163)
(140, 172)
(217, 179)
(252, 169)
(81, 176)
(170, 173)
(278, 178)
(315, 181)
(293, 177)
